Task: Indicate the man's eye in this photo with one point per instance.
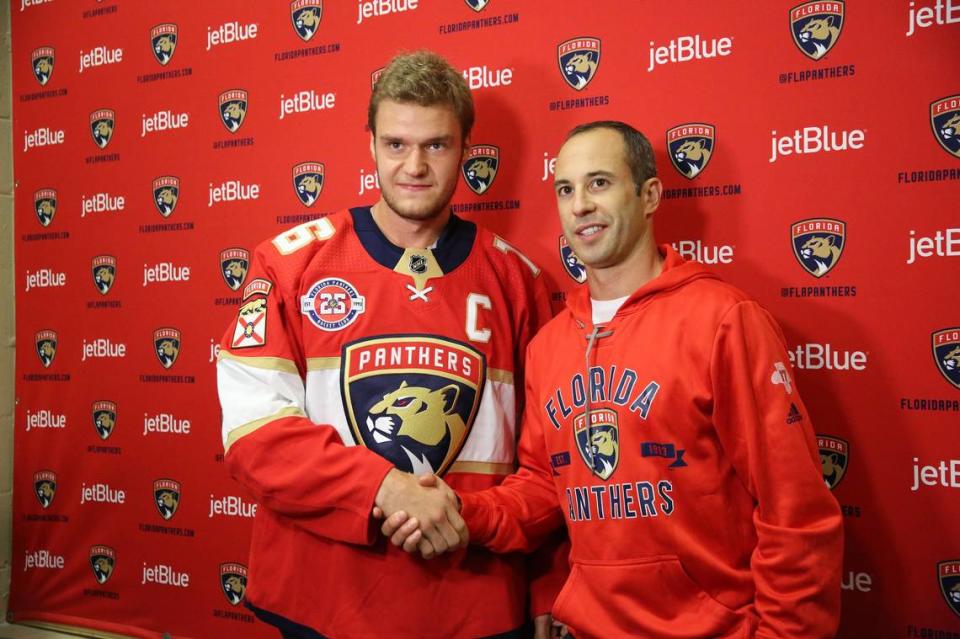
(600, 182)
(563, 190)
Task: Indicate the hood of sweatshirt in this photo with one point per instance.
(676, 273)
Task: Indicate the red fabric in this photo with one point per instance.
(743, 540)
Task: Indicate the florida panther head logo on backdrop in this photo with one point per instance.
(45, 205)
(45, 486)
(104, 268)
(480, 167)
(43, 64)
(834, 459)
(233, 109)
(166, 342)
(104, 417)
(46, 344)
(308, 181)
(166, 495)
(163, 41)
(818, 244)
(949, 577)
(102, 561)
(166, 194)
(691, 146)
(579, 59)
(946, 353)
(306, 15)
(416, 416)
(101, 126)
(816, 26)
(945, 122)
(233, 582)
(234, 264)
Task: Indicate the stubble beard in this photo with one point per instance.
(426, 210)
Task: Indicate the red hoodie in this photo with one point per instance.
(692, 493)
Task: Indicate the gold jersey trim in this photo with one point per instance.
(249, 427)
(323, 363)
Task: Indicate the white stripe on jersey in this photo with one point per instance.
(250, 393)
(492, 439)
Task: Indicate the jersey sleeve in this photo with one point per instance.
(797, 561)
(296, 468)
(520, 513)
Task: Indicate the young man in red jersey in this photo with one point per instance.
(372, 345)
(664, 428)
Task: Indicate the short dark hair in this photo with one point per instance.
(639, 152)
(423, 78)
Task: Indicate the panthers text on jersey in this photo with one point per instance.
(683, 463)
(350, 356)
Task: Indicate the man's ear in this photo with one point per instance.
(652, 190)
(373, 147)
(466, 148)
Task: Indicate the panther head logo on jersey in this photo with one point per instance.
(163, 41)
(946, 353)
(306, 15)
(234, 264)
(166, 342)
(308, 181)
(949, 577)
(45, 486)
(46, 343)
(101, 126)
(571, 263)
(104, 272)
(480, 167)
(417, 415)
(166, 496)
(104, 417)
(477, 5)
(816, 26)
(691, 147)
(45, 205)
(233, 109)
(818, 244)
(233, 580)
(102, 561)
(598, 441)
(834, 459)
(579, 59)
(42, 64)
(945, 121)
(166, 193)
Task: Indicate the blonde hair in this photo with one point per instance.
(426, 79)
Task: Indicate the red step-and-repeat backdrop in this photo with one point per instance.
(810, 152)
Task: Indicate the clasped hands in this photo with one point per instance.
(420, 514)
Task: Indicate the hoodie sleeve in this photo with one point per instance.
(519, 514)
(290, 465)
(796, 564)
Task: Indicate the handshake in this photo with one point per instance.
(420, 514)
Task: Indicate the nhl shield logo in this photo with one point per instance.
(104, 272)
(477, 5)
(691, 147)
(579, 59)
(946, 352)
(45, 486)
(945, 120)
(571, 263)
(42, 59)
(45, 205)
(332, 304)
(948, 573)
(101, 126)
(233, 582)
(414, 411)
(233, 109)
(102, 561)
(166, 193)
(46, 343)
(166, 342)
(234, 263)
(163, 42)
(306, 15)
(480, 167)
(166, 496)
(308, 181)
(104, 417)
(598, 441)
(816, 26)
(818, 244)
(834, 459)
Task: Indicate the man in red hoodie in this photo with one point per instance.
(664, 428)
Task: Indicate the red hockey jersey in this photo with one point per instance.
(350, 356)
(684, 464)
